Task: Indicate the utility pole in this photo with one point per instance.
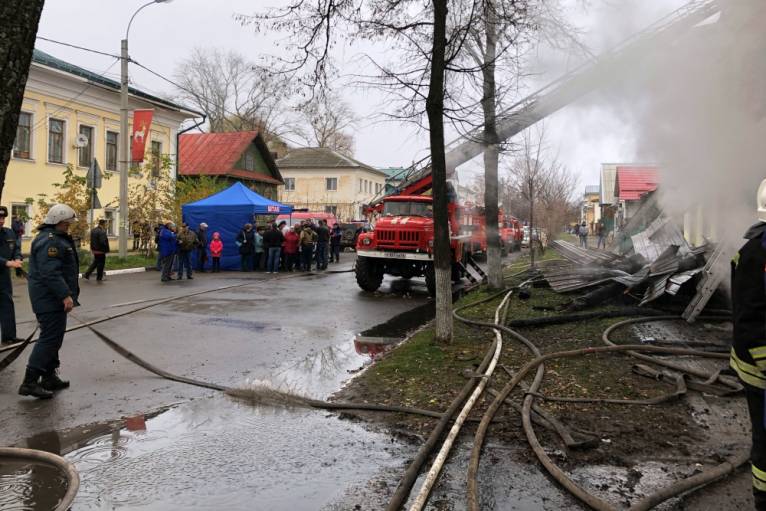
(124, 150)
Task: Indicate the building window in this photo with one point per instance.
(361, 185)
(22, 212)
(249, 161)
(331, 209)
(56, 141)
(331, 184)
(289, 184)
(111, 150)
(156, 158)
(110, 223)
(22, 147)
(86, 151)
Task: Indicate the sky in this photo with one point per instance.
(583, 135)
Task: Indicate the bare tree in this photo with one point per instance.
(328, 119)
(18, 26)
(234, 94)
(543, 184)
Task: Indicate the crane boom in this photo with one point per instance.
(565, 90)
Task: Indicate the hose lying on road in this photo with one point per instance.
(16, 350)
(35, 456)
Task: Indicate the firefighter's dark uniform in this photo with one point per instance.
(748, 354)
(53, 271)
(9, 251)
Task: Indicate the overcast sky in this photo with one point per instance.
(584, 134)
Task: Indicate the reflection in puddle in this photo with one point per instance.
(218, 454)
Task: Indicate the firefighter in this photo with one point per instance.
(53, 291)
(748, 354)
(10, 257)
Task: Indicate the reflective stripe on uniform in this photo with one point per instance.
(748, 373)
(759, 479)
(759, 357)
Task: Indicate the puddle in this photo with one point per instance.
(219, 454)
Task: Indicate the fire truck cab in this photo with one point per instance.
(401, 243)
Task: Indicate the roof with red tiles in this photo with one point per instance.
(633, 182)
(216, 154)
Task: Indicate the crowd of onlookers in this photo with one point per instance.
(274, 248)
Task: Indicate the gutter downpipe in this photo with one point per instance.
(178, 141)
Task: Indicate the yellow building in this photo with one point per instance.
(69, 116)
(320, 179)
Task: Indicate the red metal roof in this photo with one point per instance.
(633, 182)
(215, 154)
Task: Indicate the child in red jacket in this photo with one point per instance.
(216, 249)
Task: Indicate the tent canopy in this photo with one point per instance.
(239, 196)
(226, 212)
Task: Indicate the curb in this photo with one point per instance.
(120, 272)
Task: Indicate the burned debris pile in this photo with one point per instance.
(655, 261)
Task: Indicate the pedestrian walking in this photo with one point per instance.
(583, 233)
(601, 233)
(322, 246)
(201, 247)
(272, 241)
(99, 247)
(246, 243)
(290, 248)
(336, 235)
(187, 243)
(168, 245)
(260, 257)
(53, 292)
(748, 354)
(216, 249)
(10, 257)
(307, 240)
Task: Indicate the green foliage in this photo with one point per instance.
(73, 192)
(196, 188)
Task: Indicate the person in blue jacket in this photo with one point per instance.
(168, 246)
(53, 291)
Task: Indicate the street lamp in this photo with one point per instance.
(124, 139)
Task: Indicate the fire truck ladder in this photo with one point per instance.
(568, 88)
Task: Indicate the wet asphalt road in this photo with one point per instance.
(291, 330)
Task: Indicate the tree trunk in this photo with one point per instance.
(19, 20)
(491, 152)
(435, 112)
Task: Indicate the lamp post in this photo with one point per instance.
(124, 138)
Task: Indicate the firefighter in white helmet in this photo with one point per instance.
(53, 291)
(748, 353)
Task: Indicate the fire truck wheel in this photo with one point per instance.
(430, 280)
(368, 274)
(457, 273)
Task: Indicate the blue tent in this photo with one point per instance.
(226, 212)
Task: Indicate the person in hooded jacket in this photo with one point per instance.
(168, 245)
(216, 250)
(53, 291)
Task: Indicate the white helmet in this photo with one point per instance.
(60, 213)
(761, 201)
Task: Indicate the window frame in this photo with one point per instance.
(156, 168)
(91, 144)
(110, 222)
(327, 181)
(331, 209)
(30, 135)
(292, 181)
(249, 161)
(116, 150)
(28, 224)
(64, 123)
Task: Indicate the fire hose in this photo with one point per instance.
(51, 460)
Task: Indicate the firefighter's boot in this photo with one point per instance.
(53, 383)
(32, 387)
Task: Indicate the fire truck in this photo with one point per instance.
(473, 223)
(401, 244)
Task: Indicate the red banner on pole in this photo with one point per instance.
(142, 123)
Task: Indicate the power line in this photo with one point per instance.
(83, 48)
